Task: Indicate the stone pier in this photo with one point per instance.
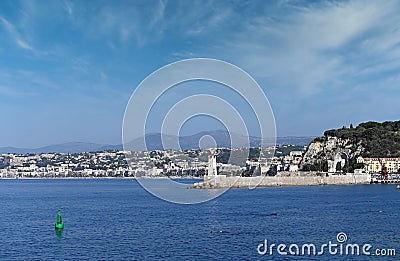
(222, 181)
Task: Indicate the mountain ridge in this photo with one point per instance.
(153, 142)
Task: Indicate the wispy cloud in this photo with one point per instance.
(158, 15)
(327, 52)
(24, 45)
(15, 35)
(68, 8)
(311, 48)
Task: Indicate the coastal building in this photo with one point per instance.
(374, 165)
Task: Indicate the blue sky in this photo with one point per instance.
(68, 68)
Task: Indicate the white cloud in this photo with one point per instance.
(7, 24)
(21, 43)
(319, 46)
(68, 8)
(158, 15)
(15, 35)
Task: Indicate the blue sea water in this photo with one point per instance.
(116, 219)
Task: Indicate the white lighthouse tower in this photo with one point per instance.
(212, 163)
(213, 179)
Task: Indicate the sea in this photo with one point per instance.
(117, 219)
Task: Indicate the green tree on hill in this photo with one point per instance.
(377, 139)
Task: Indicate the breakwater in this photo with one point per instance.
(223, 181)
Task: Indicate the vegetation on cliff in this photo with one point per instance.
(377, 139)
(338, 149)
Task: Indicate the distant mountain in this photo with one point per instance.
(153, 142)
(70, 147)
(221, 138)
(294, 140)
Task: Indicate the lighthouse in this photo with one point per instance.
(212, 179)
(212, 163)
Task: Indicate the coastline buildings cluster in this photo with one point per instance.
(164, 163)
(48, 165)
(158, 163)
(375, 165)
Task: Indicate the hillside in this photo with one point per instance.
(376, 139)
(369, 139)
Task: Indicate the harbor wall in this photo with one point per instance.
(222, 181)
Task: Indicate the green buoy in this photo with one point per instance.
(59, 225)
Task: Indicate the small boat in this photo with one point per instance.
(398, 186)
(59, 224)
